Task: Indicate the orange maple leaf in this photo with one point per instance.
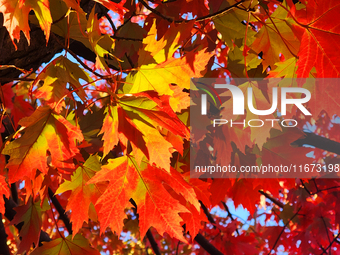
(44, 131)
(147, 186)
(16, 17)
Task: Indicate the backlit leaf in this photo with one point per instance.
(44, 132)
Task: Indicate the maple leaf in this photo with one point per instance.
(145, 185)
(325, 94)
(6, 95)
(21, 109)
(112, 6)
(236, 63)
(241, 187)
(218, 194)
(142, 114)
(153, 109)
(123, 180)
(201, 188)
(55, 77)
(16, 17)
(241, 245)
(272, 233)
(278, 151)
(73, 24)
(82, 195)
(110, 129)
(260, 102)
(231, 25)
(127, 51)
(66, 246)
(286, 69)
(180, 100)
(44, 131)
(158, 68)
(30, 215)
(319, 47)
(101, 44)
(276, 37)
(148, 51)
(222, 138)
(4, 191)
(193, 221)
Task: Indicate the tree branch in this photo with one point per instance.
(28, 57)
(110, 21)
(61, 211)
(14, 192)
(153, 243)
(277, 202)
(319, 142)
(126, 38)
(3, 239)
(206, 245)
(207, 213)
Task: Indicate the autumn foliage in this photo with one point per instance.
(95, 148)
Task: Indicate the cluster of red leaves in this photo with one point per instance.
(108, 142)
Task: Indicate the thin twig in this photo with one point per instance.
(324, 223)
(325, 189)
(229, 215)
(78, 59)
(304, 186)
(316, 186)
(330, 245)
(130, 61)
(283, 229)
(323, 249)
(107, 16)
(155, 11)
(209, 16)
